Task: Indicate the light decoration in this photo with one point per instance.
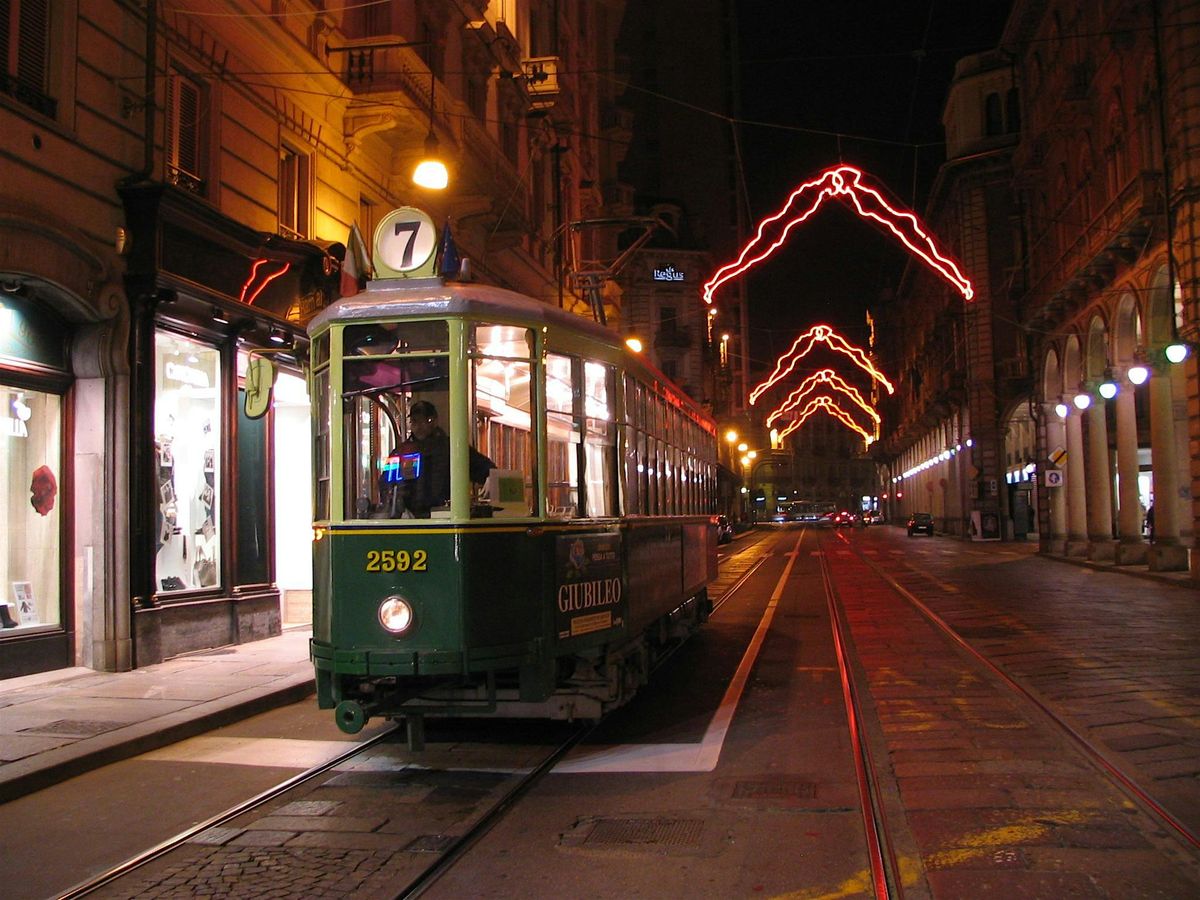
(810, 384)
(803, 345)
(845, 183)
(829, 405)
(250, 290)
(940, 457)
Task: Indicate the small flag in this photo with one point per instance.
(356, 267)
(450, 262)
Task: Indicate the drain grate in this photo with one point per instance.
(774, 790)
(74, 727)
(659, 832)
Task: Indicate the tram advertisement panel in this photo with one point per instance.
(589, 595)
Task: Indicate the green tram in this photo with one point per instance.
(542, 583)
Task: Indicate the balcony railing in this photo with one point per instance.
(1122, 225)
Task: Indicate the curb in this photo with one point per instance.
(22, 777)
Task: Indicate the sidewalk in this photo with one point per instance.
(55, 725)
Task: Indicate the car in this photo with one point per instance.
(724, 530)
(875, 517)
(920, 523)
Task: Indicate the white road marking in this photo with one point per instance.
(701, 757)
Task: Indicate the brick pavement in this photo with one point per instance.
(998, 801)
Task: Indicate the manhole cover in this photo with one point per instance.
(774, 790)
(74, 727)
(647, 832)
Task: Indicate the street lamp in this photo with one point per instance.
(431, 172)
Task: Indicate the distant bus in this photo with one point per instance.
(812, 512)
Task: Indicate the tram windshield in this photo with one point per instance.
(398, 407)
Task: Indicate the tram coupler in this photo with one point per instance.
(351, 716)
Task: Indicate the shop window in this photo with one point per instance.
(186, 149)
(187, 445)
(295, 188)
(31, 464)
(25, 52)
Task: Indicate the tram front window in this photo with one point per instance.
(391, 465)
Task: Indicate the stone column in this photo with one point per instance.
(1166, 554)
(1056, 436)
(1099, 485)
(1076, 543)
(1131, 548)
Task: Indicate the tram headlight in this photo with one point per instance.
(396, 614)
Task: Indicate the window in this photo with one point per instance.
(25, 53)
(187, 445)
(563, 434)
(993, 117)
(31, 461)
(294, 190)
(186, 117)
(503, 418)
(600, 447)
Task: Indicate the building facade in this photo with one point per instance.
(179, 187)
(1102, 417)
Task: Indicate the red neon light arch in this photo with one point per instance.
(830, 406)
(810, 384)
(844, 182)
(803, 345)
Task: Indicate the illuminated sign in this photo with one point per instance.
(844, 183)
(803, 345)
(259, 278)
(670, 273)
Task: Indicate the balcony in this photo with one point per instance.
(1112, 237)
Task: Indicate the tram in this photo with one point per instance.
(573, 534)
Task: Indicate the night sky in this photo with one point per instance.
(858, 82)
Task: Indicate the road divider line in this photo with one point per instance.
(701, 757)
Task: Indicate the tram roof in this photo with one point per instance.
(433, 297)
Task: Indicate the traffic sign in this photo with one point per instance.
(1058, 455)
(1054, 477)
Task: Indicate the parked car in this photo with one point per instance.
(724, 530)
(920, 523)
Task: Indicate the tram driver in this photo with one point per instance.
(424, 463)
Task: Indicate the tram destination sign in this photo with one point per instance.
(589, 593)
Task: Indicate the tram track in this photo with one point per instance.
(881, 853)
(1107, 766)
(980, 771)
(122, 869)
(111, 882)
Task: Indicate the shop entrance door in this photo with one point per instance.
(293, 500)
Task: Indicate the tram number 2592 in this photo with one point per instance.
(397, 561)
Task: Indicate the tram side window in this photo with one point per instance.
(321, 445)
(503, 418)
(563, 434)
(600, 448)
